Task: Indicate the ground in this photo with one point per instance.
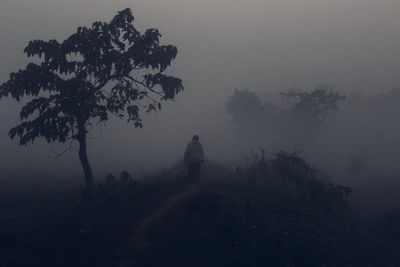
(279, 212)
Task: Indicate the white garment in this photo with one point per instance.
(194, 152)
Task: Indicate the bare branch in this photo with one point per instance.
(58, 155)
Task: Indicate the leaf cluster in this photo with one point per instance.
(318, 103)
(107, 69)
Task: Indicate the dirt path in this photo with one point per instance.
(138, 240)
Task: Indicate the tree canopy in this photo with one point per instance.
(318, 104)
(298, 122)
(106, 69)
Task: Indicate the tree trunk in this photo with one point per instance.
(84, 159)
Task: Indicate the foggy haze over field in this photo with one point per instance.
(265, 46)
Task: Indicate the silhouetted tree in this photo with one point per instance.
(110, 68)
(246, 106)
(297, 124)
(318, 104)
(243, 103)
(308, 112)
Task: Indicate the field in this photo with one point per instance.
(278, 212)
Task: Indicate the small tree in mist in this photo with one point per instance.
(297, 124)
(309, 111)
(243, 103)
(317, 105)
(110, 68)
(245, 107)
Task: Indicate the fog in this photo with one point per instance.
(296, 104)
(265, 46)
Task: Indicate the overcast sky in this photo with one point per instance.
(264, 45)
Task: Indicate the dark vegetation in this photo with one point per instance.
(356, 139)
(272, 212)
(108, 69)
(280, 212)
(298, 122)
(46, 225)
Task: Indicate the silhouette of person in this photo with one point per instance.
(194, 157)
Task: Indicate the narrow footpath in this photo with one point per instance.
(139, 241)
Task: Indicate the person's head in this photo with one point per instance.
(195, 137)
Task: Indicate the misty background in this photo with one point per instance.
(265, 46)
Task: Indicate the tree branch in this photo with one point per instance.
(58, 155)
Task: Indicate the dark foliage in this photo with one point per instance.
(299, 123)
(319, 103)
(46, 225)
(245, 105)
(107, 69)
(262, 215)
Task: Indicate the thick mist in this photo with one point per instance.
(265, 46)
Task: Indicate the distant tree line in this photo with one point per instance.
(303, 117)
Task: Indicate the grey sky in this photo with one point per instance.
(265, 45)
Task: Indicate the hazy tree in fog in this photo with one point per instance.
(109, 68)
(245, 107)
(318, 103)
(296, 124)
(314, 107)
(243, 103)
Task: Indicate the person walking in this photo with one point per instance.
(194, 157)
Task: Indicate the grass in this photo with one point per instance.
(279, 212)
(55, 226)
(263, 215)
